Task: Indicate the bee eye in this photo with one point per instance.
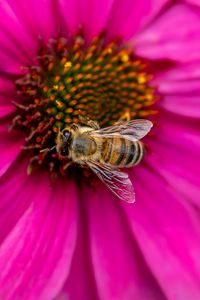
(66, 133)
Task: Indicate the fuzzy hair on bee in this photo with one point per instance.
(105, 151)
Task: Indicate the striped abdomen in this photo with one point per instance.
(121, 152)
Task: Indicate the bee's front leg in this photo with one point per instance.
(74, 126)
(89, 122)
(93, 124)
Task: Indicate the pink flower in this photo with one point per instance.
(66, 238)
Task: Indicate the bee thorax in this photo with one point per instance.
(84, 146)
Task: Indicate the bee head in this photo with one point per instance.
(63, 142)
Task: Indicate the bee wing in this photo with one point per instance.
(132, 130)
(118, 182)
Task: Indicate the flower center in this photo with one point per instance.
(101, 81)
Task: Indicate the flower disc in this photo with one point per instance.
(101, 82)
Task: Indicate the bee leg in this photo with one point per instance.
(83, 119)
(67, 165)
(93, 124)
(74, 126)
(90, 123)
(124, 117)
(47, 149)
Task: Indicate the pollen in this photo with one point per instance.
(68, 64)
(101, 81)
(55, 87)
(125, 56)
(141, 78)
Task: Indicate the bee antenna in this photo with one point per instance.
(47, 149)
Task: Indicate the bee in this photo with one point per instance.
(105, 151)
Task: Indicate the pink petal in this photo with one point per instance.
(90, 15)
(160, 40)
(69, 13)
(94, 15)
(36, 256)
(7, 91)
(80, 283)
(17, 48)
(186, 186)
(10, 64)
(10, 146)
(8, 94)
(128, 17)
(11, 142)
(156, 7)
(181, 89)
(181, 72)
(184, 105)
(119, 270)
(178, 143)
(21, 29)
(168, 235)
(116, 18)
(44, 13)
(195, 2)
(191, 88)
(14, 190)
(180, 139)
(6, 110)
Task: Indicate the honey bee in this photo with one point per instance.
(105, 151)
